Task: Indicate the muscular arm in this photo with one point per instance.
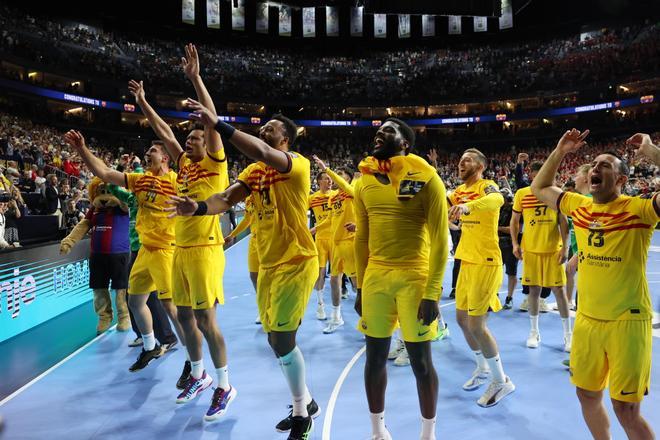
(96, 165)
(435, 205)
(361, 238)
(259, 151)
(514, 227)
(221, 202)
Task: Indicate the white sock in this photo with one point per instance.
(378, 423)
(428, 429)
(308, 397)
(336, 312)
(534, 322)
(481, 361)
(223, 377)
(148, 341)
(441, 322)
(566, 324)
(496, 368)
(197, 368)
(293, 367)
(319, 296)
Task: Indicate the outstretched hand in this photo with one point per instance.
(136, 89)
(190, 63)
(319, 162)
(184, 206)
(572, 140)
(645, 147)
(75, 139)
(201, 113)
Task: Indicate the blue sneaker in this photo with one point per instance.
(220, 402)
(194, 387)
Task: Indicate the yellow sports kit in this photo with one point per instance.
(343, 212)
(246, 222)
(319, 203)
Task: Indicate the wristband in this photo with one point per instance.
(202, 207)
(224, 129)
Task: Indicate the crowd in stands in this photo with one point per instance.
(373, 77)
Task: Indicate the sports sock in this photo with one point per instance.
(441, 322)
(534, 322)
(148, 341)
(223, 377)
(293, 367)
(496, 368)
(378, 423)
(428, 429)
(319, 296)
(336, 312)
(566, 324)
(481, 361)
(197, 368)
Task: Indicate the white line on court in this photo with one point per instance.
(330, 409)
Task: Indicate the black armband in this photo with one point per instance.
(224, 129)
(202, 207)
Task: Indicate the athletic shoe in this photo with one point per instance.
(137, 342)
(170, 345)
(452, 294)
(508, 303)
(344, 292)
(385, 436)
(220, 402)
(185, 376)
(524, 306)
(442, 333)
(257, 320)
(194, 387)
(479, 377)
(496, 391)
(568, 339)
(656, 325)
(534, 339)
(333, 325)
(284, 425)
(145, 358)
(301, 428)
(396, 349)
(543, 306)
(320, 313)
(402, 360)
(572, 306)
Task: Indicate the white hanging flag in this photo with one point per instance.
(213, 14)
(380, 25)
(188, 11)
(506, 19)
(262, 18)
(480, 24)
(238, 16)
(356, 21)
(428, 25)
(285, 20)
(404, 26)
(332, 21)
(309, 22)
(454, 24)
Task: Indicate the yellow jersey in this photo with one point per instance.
(280, 210)
(319, 203)
(199, 181)
(246, 221)
(343, 211)
(152, 193)
(403, 224)
(541, 230)
(613, 241)
(479, 241)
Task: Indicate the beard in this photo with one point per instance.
(386, 151)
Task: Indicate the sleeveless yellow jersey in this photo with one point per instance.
(199, 181)
(280, 210)
(152, 193)
(613, 242)
(319, 203)
(541, 231)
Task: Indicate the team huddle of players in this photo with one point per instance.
(385, 229)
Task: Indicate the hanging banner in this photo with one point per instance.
(188, 11)
(380, 25)
(213, 14)
(454, 24)
(238, 15)
(309, 22)
(332, 21)
(428, 25)
(285, 21)
(262, 18)
(404, 26)
(480, 24)
(506, 19)
(356, 21)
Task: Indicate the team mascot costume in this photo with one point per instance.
(108, 220)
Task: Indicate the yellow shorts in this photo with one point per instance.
(542, 270)
(283, 292)
(151, 271)
(618, 352)
(197, 276)
(253, 255)
(389, 295)
(324, 248)
(343, 258)
(477, 287)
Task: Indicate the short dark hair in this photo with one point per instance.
(290, 127)
(624, 169)
(535, 166)
(160, 144)
(480, 156)
(197, 126)
(407, 132)
(319, 175)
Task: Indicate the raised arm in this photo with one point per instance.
(341, 183)
(190, 65)
(249, 145)
(543, 186)
(96, 165)
(216, 204)
(158, 125)
(645, 148)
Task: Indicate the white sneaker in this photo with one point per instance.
(385, 436)
(543, 306)
(402, 360)
(496, 391)
(320, 312)
(333, 325)
(396, 349)
(568, 339)
(479, 377)
(257, 320)
(524, 306)
(534, 339)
